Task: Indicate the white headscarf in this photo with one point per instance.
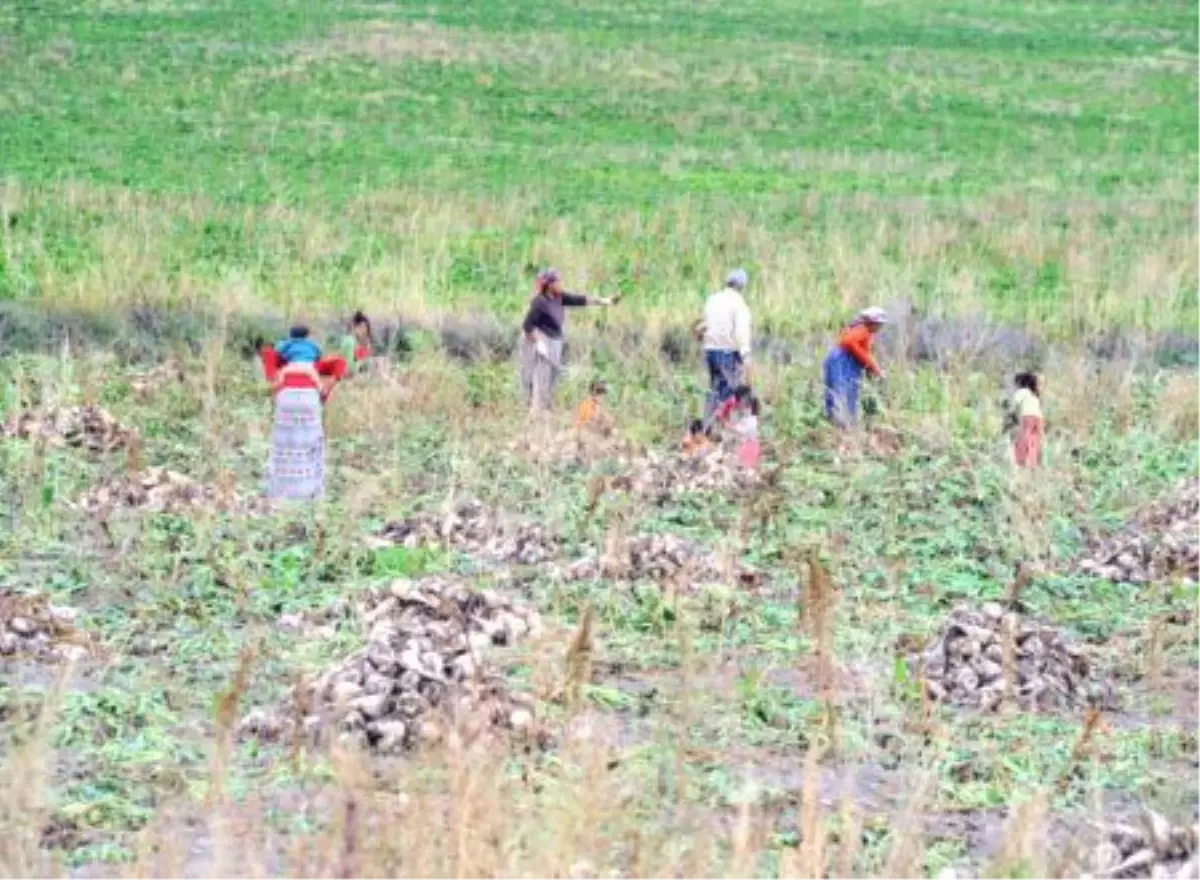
(737, 279)
(873, 315)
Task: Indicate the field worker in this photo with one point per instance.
(1027, 422)
(697, 440)
(845, 363)
(296, 468)
(749, 450)
(725, 332)
(359, 344)
(542, 346)
(297, 348)
(590, 411)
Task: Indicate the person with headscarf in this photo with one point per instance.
(542, 345)
(845, 364)
(301, 387)
(725, 332)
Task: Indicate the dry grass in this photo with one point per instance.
(1135, 274)
(465, 813)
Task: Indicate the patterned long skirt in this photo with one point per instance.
(297, 465)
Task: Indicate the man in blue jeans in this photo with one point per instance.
(726, 341)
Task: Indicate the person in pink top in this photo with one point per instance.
(746, 428)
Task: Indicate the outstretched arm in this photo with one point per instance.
(575, 300)
(270, 362)
(331, 369)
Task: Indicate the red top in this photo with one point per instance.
(361, 352)
(857, 341)
(331, 368)
(725, 411)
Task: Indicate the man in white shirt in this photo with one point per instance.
(726, 340)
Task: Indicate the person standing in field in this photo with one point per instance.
(725, 332)
(1027, 421)
(749, 449)
(301, 386)
(359, 345)
(297, 348)
(845, 364)
(542, 344)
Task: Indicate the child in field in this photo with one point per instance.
(298, 348)
(696, 441)
(359, 344)
(1025, 418)
(746, 428)
(589, 413)
(732, 404)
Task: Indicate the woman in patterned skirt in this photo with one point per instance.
(297, 465)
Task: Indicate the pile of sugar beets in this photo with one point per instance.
(984, 656)
(423, 668)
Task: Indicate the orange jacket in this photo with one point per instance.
(857, 341)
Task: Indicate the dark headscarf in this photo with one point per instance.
(545, 278)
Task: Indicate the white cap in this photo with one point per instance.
(873, 315)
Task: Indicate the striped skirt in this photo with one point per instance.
(297, 466)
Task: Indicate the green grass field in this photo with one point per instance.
(181, 175)
(1034, 162)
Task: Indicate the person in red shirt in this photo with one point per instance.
(361, 342)
(737, 400)
(846, 363)
(296, 469)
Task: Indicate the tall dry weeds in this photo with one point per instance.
(579, 659)
(224, 721)
(1130, 275)
(1093, 724)
(25, 814)
(819, 609)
